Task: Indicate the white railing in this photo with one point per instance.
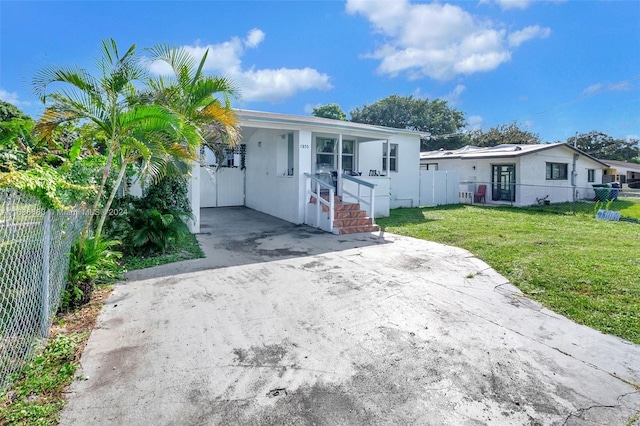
(314, 194)
(370, 204)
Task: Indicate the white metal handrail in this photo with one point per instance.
(361, 200)
(319, 201)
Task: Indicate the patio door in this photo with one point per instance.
(503, 182)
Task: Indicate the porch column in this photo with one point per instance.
(303, 162)
(339, 174)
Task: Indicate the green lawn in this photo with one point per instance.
(585, 269)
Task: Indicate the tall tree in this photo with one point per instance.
(9, 111)
(204, 101)
(332, 111)
(405, 112)
(503, 134)
(132, 130)
(605, 147)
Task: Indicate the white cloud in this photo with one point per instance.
(513, 4)
(453, 96)
(254, 38)
(594, 88)
(12, 98)
(597, 88)
(518, 37)
(267, 84)
(436, 40)
(474, 122)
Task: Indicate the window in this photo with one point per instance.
(591, 175)
(347, 155)
(327, 157)
(556, 171)
(429, 166)
(393, 157)
(325, 153)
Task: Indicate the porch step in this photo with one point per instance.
(355, 229)
(349, 218)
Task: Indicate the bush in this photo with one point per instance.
(91, 263)
(151, 224)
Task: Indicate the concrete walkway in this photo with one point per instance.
(282, 324)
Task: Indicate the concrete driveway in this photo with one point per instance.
(282, 324)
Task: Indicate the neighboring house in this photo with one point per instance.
(282, 158)
(520, 175)
(627, 174)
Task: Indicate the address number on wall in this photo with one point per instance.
(302, 146)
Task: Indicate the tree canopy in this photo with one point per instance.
(605, 147)
(332, 111)
(435, 117)
(9, 111)
(503, 134)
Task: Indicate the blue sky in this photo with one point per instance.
(556, 67)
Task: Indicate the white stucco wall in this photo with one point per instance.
(404, 188)
(531, 181)
(268, 188)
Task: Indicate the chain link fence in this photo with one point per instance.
(558, 197)
(34, 260)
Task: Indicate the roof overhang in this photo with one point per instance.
(261, 119)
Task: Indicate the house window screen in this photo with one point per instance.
(348, 148)
(591, 175)
(393, 157)
(326, 153)
(556, 171)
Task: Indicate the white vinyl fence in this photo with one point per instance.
(34, 260)
(438, 187)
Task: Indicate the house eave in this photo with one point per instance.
(250, 118)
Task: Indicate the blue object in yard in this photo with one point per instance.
(615, 188)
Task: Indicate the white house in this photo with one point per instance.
(520, 175)
(282, 160)
(626, 174)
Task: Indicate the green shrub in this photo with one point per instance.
(154, 231)
(94, 262)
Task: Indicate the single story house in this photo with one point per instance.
(287, 166)
(520, 175)
(626, 174)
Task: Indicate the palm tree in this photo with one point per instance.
(204, 101)
(134, 130)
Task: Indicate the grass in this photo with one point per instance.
(38, 391)
(585, 269)
(187, 248)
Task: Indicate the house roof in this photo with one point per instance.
(622, 165)
(499, 151)
(326, 124)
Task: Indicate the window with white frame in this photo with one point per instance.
(393, 157)
(327, 154)
(591, 175)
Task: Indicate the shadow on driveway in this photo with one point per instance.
(233, 236)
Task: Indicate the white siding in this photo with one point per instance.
(268, 188)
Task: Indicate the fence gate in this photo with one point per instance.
(438, 187)
(223, 187)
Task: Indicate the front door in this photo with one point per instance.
(503, 182)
